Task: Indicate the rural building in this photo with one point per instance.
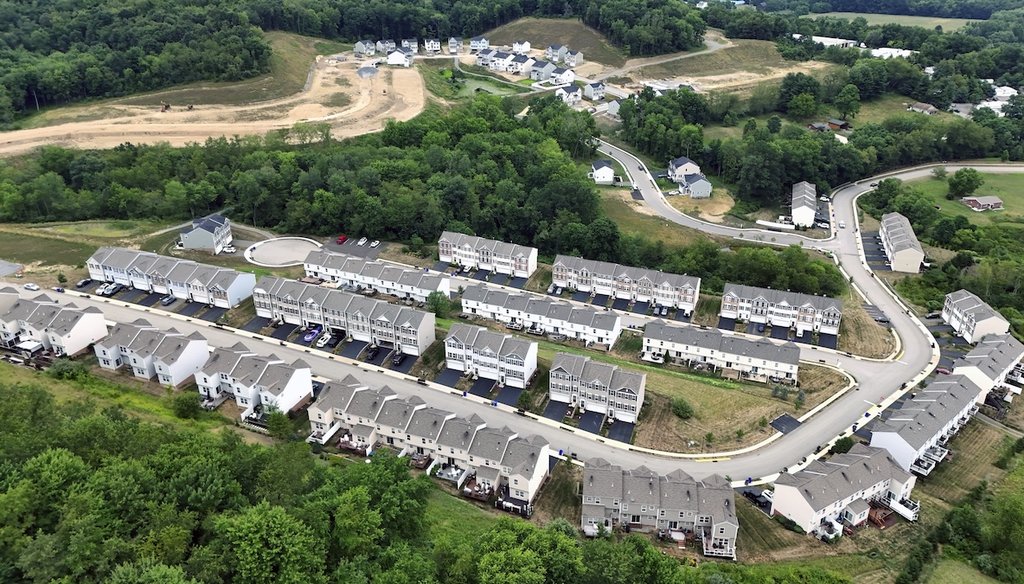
(778, 308)
(602, 172)
(169, 356)
(211, 234)
(364, 275)
(900, 244)
(626, 282)
(696, 186)
(828, 494)
(805, 204)
(348, 315)
(818, 127)
(829, 41)
(971, 318)
(479, 352)
(183, 279)
(543, 316)
(597, 387)
(455, 45)
(837, 124)
(365, 48)
(1004, 92)
(555, 52)
(594, 91)
(987, 203)
(752, 360)
(923, 108)
(573, 58)
(401, 57)
(479, 43)
(386, 46)
(259, 384)
(678, 168)
(474, 252)
(891, 53)
(569, 95)
(432, 45)
(520, 47)
(678, 504)
(40, 324)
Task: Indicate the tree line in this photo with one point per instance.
(90, 495)
(975, 9)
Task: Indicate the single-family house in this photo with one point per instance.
(983, 203)
(597, 387)
(479, 43)
(626, 282)
(455, 45)
(365, 48)
(923, 108)
(519, 261)
(212, 233)
(971, 318)
(485, 56)
(412, 44)
(561, 76)
(602, 172)
(696, 186)
(678, 168)
(400, 57)
(900, 244)
(594, 91)
(569, 95)
(386, 46)
(520, 64)
(520, 47)
(573, 58)
(555, 52)
(542, 70)
(805, 204)
(432, 45)
(779, 308)
(613, 107)
(482, 353)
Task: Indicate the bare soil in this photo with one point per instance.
(713, 209)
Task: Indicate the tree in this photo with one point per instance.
(774, 124)
(802, 106)
(439, 304)
(61, 278)
(682, 408)
(279, 425)
(842, 446)
(186, 405)
(795, 84)
(964, 182)
(265, 545)
(848, 101)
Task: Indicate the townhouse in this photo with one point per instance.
(675, 504)
(41, 324)
(455, 45)
(184, 279)
(523, 468)
(359, 419)
(451, 449)
(993, 362)
(542, 315)
(900, 244)
(393, 420)
(470, 251)
(971, 318)
(754, 360)
(212, 233)
(499, 61)
(485, 455)
(347, 315)
(170, 357)
(801, 312)
(257, 383)
(328, 410)
(597, 387)
(634, 284)
(479, 352)
(828, 494)
(804, 202)
(382, 277)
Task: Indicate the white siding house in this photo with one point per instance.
(482, 353)
(41, 324)
(487, 254)
(971, 318)
(602, 172)
(802, 312)
(900, 244)
(382, 277)
(211, 234)
(805, 204)
(597, 387)
(626, 282)
(678, 168)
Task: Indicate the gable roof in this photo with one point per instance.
(824, 482)
(899, 233)
(822, 303)
(805, 195)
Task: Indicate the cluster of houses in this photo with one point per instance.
(183, 279)
(359, 274)
(675, 505)
(431, 46)
(803, 313)
(484, 463)
(170, 357)
(32, 327)
(479, 253)
(900, 244)
(625, 282)
(212, 234)
(346, 315)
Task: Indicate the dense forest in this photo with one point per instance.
(978, 9)
(89, 496)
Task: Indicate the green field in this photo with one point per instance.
(633, 222)
(542, 32)
(27, 249)
(954, 572)
(747, 55)
(1008, 187)
(947, 24)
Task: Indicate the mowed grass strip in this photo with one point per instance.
(956, 572)
(974, 453)
(449, 515)
(542, 32)
(947, 24)
(1008, 187)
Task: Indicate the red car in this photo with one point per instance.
(342, 239)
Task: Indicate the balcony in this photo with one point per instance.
(475, 490)
(907, 508)
(936, 454)
(922, 466)
(348, 443)
(720, 547)
(419, 460)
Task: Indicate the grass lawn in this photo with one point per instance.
(629, 215)
(22, 248)
(877, 110)
(955, 572)
(103, 229)
(542, 32)
(1008, 187)
(560, 495)
(947, 24)
(859, 333)
(453, 516)
(975, 451)
(750, 56)
(710, 209)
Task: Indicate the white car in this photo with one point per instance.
(823, 225)
(770, 495)
(32, 287)
(362, 241)
(374, 243)
(229, 249)
(842, 224)
(326, 338)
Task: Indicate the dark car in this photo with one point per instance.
(167, 300)
(371, 352)
(335, 339)
(83, 283)
(397, 360)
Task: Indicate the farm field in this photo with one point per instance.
(1008, 187)
(947, 24)
(542, 32)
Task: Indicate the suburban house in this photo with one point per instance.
(211, 234)
(542, 70)
(802, 312)
(520, 64)
(923, 108)
(594, 91)
(573, 58)
(412, 44)
(386, 46)
(499, 61)
(485, 454)
(485, 56)
(183, 279)
(569, 95)
(424, 428)
(696, 186)
(684, 508)
(479, 43)
(474, 252)
(171, 357)
(455, 45)
(985, 203)
(479, 352)
(359, 420)
(626, 282)
(555, 52)
(524, 468)
(393, 420)
(602, 172)
(561, 76)
(828, 494)
(805, 204)
(432, 45)
(41, 324)
(328, 411)
(543, 316)
(451, 450)
(597, 387)
(348, 315)
(401, 57)
(678, 168)
(754, 360)
(900, 244)
(382, 277)
(613, 107)
(993, 361)
(365, 48)
(520, 47)
(915, 433)
(259, 384)
(971, 318)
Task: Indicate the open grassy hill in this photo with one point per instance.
(542, 32)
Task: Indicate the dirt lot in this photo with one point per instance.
(712, 209)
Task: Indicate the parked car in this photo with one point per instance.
(943, 370)
(770, 495)
(558, 291)
(229, 249)
(83, 283)
(933, 315)
(324, 339)
(32, 287)
(113, 289)
(167, 300)
(371, 352)
(341, 239)
(551, 288)
(58, 289)
(374, 243)
(361, 242)
(760, 327)
(823, 225)
(398, 359)
(333, 341)
(311, 334)
(664, 311)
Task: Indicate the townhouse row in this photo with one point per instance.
(479, 253)
(362, 274)
(482, 353)
(542, 315)
(258, 384)
(348, 315)
(779, 308)
(900, 244)
(625, 282)
(170, 357)
(754, 360)
(972, 318)
(369, 47)
(485, 461)
(597, 387)
(183, 279)
(677, 505)
(41, 324)
(520, 64)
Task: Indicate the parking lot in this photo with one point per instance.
(352, 247)
(873, 252)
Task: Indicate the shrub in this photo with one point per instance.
(68, 370)
(842, 446)
(186, 406)
(682, 408)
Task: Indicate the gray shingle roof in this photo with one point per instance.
(921, 418)
(478, 243)
(968, 303)
(786, 352)
(427, 423)
(368, 404)
(458, 432)
(484, 340)
(822, 303)
(524, 454)
(490, 443)
(598, 319)
(899, 233)
(396, 413)
(993, 355)
(617, 271)
(824, 482)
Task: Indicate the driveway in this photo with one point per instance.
(406, 365)
(600, 300)
(213, 314)
(519, 283)
(481, 275)
(191, 308)
(284, 331)
(482, 387)
(642, 307)
(620, 304)
(149, 299)
(591, 422)
(449, 377)
(383, 354)
(621, 431)
(785, 423)
(509, 396)
(256, 325)
(556, 411)
(581, 296)
(353, 349)
(726, 324)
